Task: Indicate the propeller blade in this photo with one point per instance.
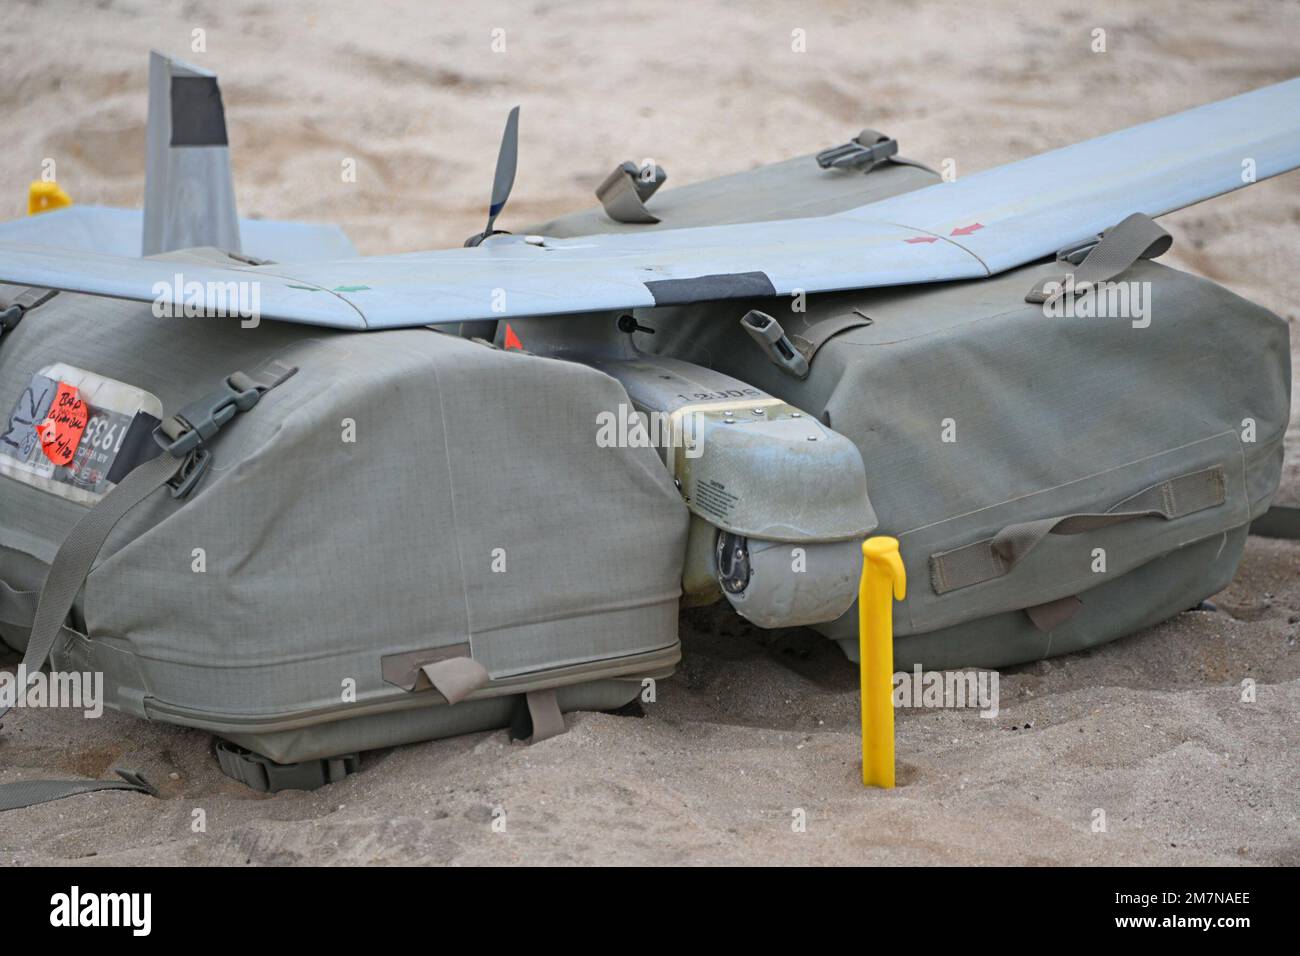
(507, 161)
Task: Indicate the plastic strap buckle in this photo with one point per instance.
(266, 776)
(197, 422)
(185, 434)
(771, 338)
(858, 155)
(190, 472)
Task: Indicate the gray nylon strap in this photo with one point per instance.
(28, 793)
(621, 199)
(456, 677)
(78, 552)
(544, 708)
(997, 556)
(1137, 237)
(405, 668)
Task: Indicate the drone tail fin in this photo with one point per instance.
(189, 195)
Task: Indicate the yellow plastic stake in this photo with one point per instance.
(42, 197)
(883, 582)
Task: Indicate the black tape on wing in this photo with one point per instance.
(198, 118)
(739, 285)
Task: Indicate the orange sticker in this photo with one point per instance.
(60, 433)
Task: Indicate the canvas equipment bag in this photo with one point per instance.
(1055, 481)
(299, 573)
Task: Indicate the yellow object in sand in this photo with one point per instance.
(883, 582)
(43, 196)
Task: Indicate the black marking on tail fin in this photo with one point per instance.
(198, 118)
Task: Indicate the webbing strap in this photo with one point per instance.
(28, 793)
(78, 552)
(536, 716)
(624, 193)
(1137, 237)
(456, 677)
(997, 556)
(544, 708)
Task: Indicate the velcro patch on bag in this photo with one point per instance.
(75, 433)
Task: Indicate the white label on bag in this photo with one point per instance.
(117, 437)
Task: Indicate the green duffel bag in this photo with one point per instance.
(1054, 481)
(388, 537)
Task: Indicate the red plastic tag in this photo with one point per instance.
(60, 433)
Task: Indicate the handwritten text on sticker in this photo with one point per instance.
(60, 433)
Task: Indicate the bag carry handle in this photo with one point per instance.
(999, 555)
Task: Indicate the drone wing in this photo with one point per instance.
(983, 224)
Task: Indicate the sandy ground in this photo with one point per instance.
(756, 727)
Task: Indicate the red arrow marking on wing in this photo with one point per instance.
(966, 230)
(512, 340)
(923, 239)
